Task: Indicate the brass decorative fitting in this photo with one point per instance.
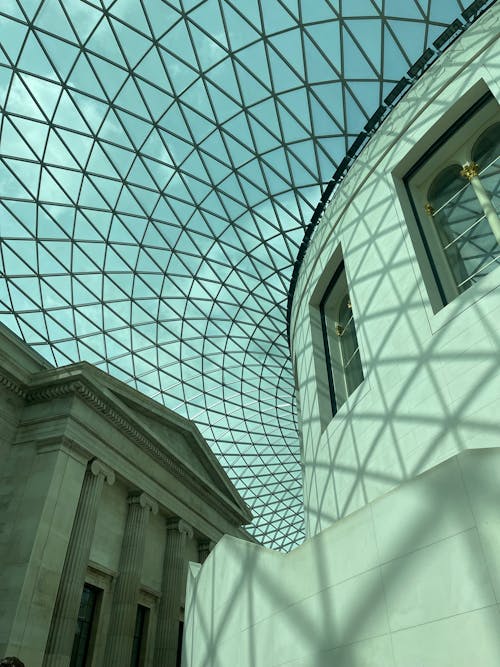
(470, 170)
(339, 330)
(349, 305)
(429, 209)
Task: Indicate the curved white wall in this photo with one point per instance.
(413, 577)
(432, 381)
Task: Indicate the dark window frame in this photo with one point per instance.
(140, 636)
(338, 274)
(421, 162)
(80, 651)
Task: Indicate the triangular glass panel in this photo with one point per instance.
(127, 203)
(209, 50)
(411, 36)
(240, 30)
(104, 43)
(137, 130)
(130, 100)
(14, 143)
(256, 55)
(34, 60)
(53, 20)
(395, 63)
(129, 13)
(356, 64)
(320, 10)
(156, 99)
(252, 89)
(322, 47)
(285, 76)
(19, 100)
(178, 42)
(110, 76)
(84, 79)
(62, 54)
(90, 196)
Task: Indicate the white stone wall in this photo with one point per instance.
(432, 381)
(410, 580)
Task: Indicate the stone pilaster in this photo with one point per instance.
(125, 597)
(65, 615)
(204, 548)
(173, 584)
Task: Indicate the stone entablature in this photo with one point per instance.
(94, 388)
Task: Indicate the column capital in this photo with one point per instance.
(145, 501)
(176, 524)
(97, 467)
(470, 170)
(205, 543)
(205, 546)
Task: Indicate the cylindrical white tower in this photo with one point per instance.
(395, 323)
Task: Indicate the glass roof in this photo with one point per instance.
(159, 161)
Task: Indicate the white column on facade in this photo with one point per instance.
(126, 593)
(173, 585)
(470, 171)
(65, 616)
(204, 548)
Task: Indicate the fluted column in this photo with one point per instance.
(125, 597)
(204, 549)
(65, 616)
(173, 583)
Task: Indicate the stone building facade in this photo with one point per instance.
(104, 498)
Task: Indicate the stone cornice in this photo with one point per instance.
(172, 420)
(81, 387)
(11, 384)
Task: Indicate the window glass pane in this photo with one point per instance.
(486, 153)
(179, 644)
(342, 358)
(353, 371)
(84, 626)
(468, 243)
(347, 331)
(487, 147)
(445, 186)
(465, 247)
(460, 225)
(479, 250)
(139, 631)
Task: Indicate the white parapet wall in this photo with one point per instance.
(410, 580)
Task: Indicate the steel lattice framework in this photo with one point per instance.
(159, 161)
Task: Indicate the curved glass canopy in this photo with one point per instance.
(159, 161)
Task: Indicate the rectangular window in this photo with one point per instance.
(454, 190)
(140, 632)
(179, 644)
(343, 360)
(84, 628)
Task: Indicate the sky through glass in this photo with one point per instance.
(158, 164)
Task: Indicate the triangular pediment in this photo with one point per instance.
(176, 434)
